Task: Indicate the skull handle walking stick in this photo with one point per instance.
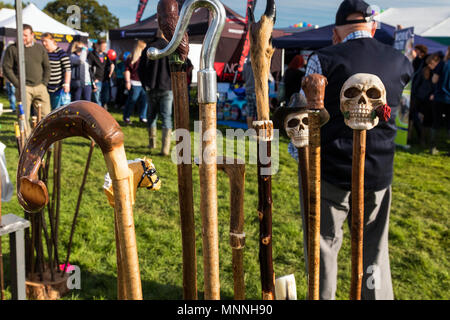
(207, 98)
(167, 20)
(314, 88)
(261, 52)
(86, 119)
(363, 104)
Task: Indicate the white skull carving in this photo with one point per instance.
(361, 95)
(296, 125)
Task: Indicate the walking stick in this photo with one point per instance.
(236, 173)
(207, 98)
(2, 280)
(85, 119)
(314, 88)
(261, 51)
(363, 104)
(167, 20)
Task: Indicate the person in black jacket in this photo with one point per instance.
(155, 77)
(102, 68)
(355, 51)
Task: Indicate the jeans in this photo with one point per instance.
(160, 101)
(136, 97)
(55, 99)
(101, 96)
(11, 91)
(81, 93)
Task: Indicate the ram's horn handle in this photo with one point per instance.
(81, 118)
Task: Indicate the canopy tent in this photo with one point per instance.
(6, 13)
(319, 38)
(430, 22)
(40, 22)
(228, 51)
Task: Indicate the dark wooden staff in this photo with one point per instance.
(2, 280)
(77, 208)
(314, 88)
(236, 173)
(261, 52)
(167, 20)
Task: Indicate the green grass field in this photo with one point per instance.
(419, 236)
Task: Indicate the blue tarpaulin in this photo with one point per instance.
(321, 37)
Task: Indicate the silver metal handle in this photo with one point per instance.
(207, 76)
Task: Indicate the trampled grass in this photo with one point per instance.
(419, 236)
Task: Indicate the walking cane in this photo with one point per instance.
(236, 173)
(314, 88)
(207, 98)
(85, 119)
(167, 20)
(261, 52)
(363, 104)
(2, 280)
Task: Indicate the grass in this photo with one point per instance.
(419, 236)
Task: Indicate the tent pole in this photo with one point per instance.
(21, 54)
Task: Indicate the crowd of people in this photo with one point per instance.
(54, 77)
(430, 96)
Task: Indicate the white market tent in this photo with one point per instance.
(430, 22)
(6, 13)
(39, 20)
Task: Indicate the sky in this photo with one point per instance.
(289, 12)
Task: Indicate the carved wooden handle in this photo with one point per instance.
(314, 88)
(167, 21)
(81, 118)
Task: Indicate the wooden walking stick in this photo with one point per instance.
(314, 88)
(2, 280)
(363, 104)
(85, 119)
(235, 170)
(167, 20)
(261, 52)
(207, 98)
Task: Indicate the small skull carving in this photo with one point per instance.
(361, 95)
(296, 125)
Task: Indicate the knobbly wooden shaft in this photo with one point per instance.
(314, 208)
(185, 191)
(303, 167)
(117, 164)
(236, 173)
(357, 227)
(208, 201)
(265, 213)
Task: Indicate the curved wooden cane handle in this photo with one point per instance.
(81, 118)
(167, 21)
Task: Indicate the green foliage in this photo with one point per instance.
(418, 233)
(6, 5)
(95, 18)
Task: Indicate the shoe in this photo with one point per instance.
(143, 120)
(434, 151)
(127, 121)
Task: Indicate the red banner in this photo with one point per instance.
(246, 47)
(140, 10)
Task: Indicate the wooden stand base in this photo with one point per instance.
(47, 289)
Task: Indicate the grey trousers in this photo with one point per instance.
(335, 209)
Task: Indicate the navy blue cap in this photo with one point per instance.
(348, 7)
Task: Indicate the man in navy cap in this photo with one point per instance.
(355, 51)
